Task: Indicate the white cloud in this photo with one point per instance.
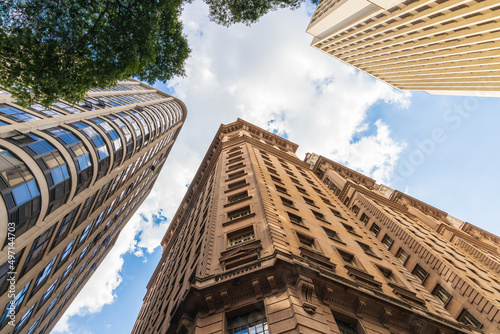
(266, 74)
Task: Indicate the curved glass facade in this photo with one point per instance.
(113, 137)
(80, 155)
(52, 165)
(99, 145)
(20, 192)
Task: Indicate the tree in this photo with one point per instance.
(59, 49)
(228, 12)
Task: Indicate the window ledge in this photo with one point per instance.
(229, 222)
(236, 177)
(233, 189)
(290, 206)
(238, 201)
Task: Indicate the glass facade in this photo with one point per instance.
(20, 192)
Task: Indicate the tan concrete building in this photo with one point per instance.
(438, 46)
(263, 243)
(70, 179)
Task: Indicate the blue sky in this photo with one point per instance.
(442, 150)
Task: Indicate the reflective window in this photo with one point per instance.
(47, 293)
(52, 165)
(110, 102)
(44, 273)
(3, 123)
(66, 251)
(67, 107)
(129, 141)
(144, 125)
(19, 191)
(7, 269)
(64, 226)
(44, 111)
(79, 153)
(152, 124)
(160, 121)
(34, 326)
(24, 319)
(99, 145)
(85, 210)
(52, 304)
(254, 322)
(113, 137)
(37, 250)
(67, 271)
(85, 233)
(137, 130)
(17, 301)
(16, 114)
(125, 98)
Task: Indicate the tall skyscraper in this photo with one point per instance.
(264, 242)
(441, 47)
(71, 176)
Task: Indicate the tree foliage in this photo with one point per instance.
(228, 12)
(52, 49)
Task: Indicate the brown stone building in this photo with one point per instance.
(438, 46)
(264, 242)
(70, 179)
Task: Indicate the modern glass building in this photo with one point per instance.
(71, 176)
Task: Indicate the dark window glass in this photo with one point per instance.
(19, 191)
(52, 165)
(254, 322)
(144, 125)
(65, 226)
(17, 301)
(44, 274)
(79, 153)
(85, 210)
(66, 251)
(37, 250)
(6, 268)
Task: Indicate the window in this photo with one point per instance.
(337, 214)
(241, 236)
(34, 326)
(389, 276)
(309, 201)
(137, 130)
(237, 174)
(235, 166)
(420, 273)
(20, 192)
(326, 200)
(7, 268)
(44, 273)
(99, 145)
(47, 294)
(302, 190)
(79, 153)
(66, 251)
(346, 328)
(364, 218)
(295, 219)
(276, 179)
(287, 202)
(402, 256)
(333, 187)
(282, 190)
(127, 135)
(24, 319)
(236, 185)
(441, 294)
(375, 229)
(466, 318)
(113, 137)
(367, 249)
(273, 171)
(16, 302)
(355, 209)
(37, 250)
(349, 228)
(52, 165)
(295, 181)
(237, 197)
(16, 114)
(387, 241)
(348, 258)
(318, 215)
(233, 215)
(39, 109)
(64, 227)
(254, 322)
(332, 234)
(306, 242)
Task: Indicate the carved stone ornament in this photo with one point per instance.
(416, 328)
(309, 308)
(386, 316)
(225, 299)
(257, 288)
(359, 305)
(209, 299)
(272, 283)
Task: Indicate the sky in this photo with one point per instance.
(442, 150)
